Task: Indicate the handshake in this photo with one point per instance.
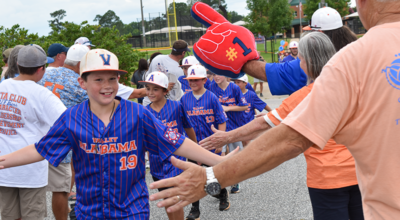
(225, 47)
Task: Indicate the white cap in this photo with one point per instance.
(84, 41)
(244, 78)
(293, 44)
(325, 19)
(156, 78)
(190, 60)
(100, 60)
(196, 72)
(76, 52)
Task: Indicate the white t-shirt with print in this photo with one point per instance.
(165, 64)
(27, 111)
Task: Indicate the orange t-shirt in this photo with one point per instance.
(330, 168)
(356, 100)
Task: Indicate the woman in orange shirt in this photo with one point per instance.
(331, 173)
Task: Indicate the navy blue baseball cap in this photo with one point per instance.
(56, 48)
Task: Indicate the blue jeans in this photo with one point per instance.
(337, 204)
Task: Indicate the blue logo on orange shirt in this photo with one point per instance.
(393, 73)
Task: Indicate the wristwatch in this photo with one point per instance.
(212, 187)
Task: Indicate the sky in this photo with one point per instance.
(34, 14)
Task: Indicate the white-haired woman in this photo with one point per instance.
(331, 173)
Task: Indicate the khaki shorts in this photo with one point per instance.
(25, 203)
(59, 178)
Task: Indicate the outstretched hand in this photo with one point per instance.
(217, 140)
(261, 114)
(188, 187)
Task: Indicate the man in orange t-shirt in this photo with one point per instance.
(356, 100)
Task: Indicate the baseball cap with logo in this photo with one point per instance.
(156, 78)
(76, 52)
(293, 44)
(325, 19)
(196, 72)
(244, 78)
(32, 55)
(100, 60)
(55, 49)
(190, 60)
(84, 41)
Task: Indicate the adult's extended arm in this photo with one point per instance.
(255, 69)
(271, 149)
(138, 93)
(283, 78)
(245, 133)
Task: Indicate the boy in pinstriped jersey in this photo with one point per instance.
(171, 114)
(109, 137)
(204, 111)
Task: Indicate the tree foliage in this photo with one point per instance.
(10, 37)
(268, 17)
(104, 38)
(342, 6)
(56, 22)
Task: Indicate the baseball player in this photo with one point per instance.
(171, 114)
(234, 104)
(253, 102)
(109, 137)
(186, 63)
(204, 110)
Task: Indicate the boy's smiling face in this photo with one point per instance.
(101, 86)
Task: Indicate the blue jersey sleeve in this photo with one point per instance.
(258, 103)
(220, 115)
(285, 78)
(240, 99)
(207, 84)
(159, 139)
(249, 87)
(185, 119)
(55, 145)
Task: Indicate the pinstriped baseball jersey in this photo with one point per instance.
(250, 88)
(254, 103)
(231, 96)
(173, 116)
(185, 84)
(109, 160)
(203, 113)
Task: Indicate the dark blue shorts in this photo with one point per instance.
(337, 204)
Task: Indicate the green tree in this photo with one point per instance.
(10, 37)
(110, 19)
(233, 16)
(181, 9)
(104, 37)
(57, 17)
(342, 6)
(268, 17)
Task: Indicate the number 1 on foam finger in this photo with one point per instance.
(241, 44)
